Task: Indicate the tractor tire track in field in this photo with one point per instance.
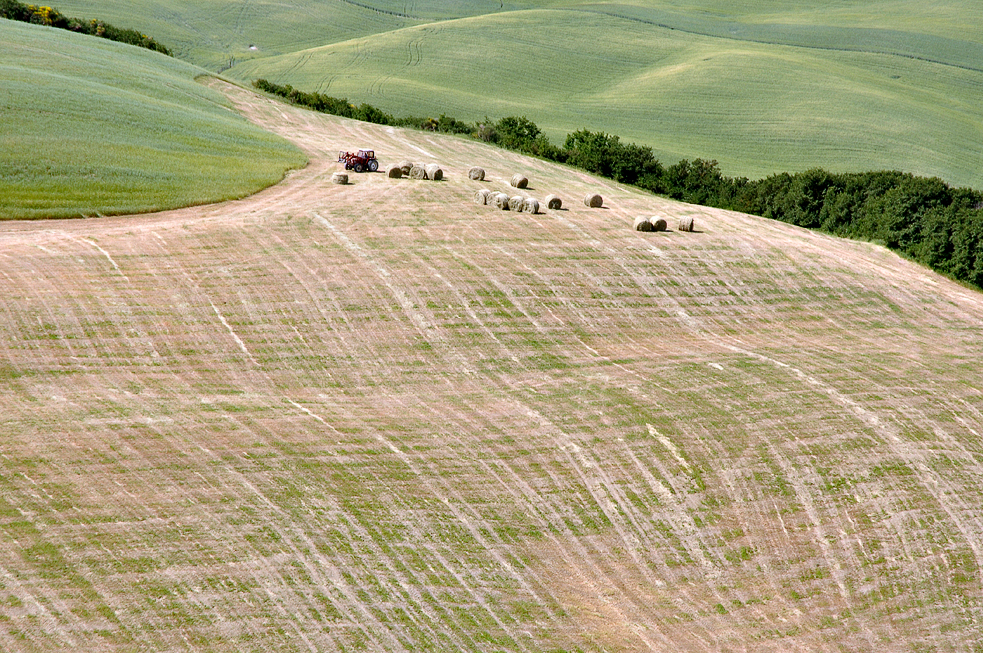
(379, 417)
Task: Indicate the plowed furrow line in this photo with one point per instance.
(964, 518)
(546, 286)
(283, 594)
(459, 509)
(425, 608)
(601, 492)
(416, 317)
(587, 563)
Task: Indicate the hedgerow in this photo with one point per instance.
(42, 15)
(923, 218)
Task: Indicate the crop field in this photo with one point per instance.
(90, 126)
(758, 108)
(381, 417)
(762, 87)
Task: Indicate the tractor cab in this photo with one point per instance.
(359, 161)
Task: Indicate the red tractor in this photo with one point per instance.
(359, 161)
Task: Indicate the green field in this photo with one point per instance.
(91, 126)
(762, 87)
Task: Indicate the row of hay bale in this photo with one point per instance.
(503, 201)
(430, 171)
(655, 223)
(553, 202)
(592, 200)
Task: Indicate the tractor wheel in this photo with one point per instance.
(358, 167)
(373, 165)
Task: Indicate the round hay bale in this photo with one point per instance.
(481, 196)
(406, 166)
(643, 224)
(531, 205)
(501, 200)
(686, 223)
(519, 181)
(593, 200)
(516, 202)
(658, 224)
(434, 173)
(476, 173)
(418, 172)
(553, 202)
(339, 178)
(394, 172)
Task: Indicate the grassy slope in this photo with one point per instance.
(210, 33)
(380, 417)
(761, 86)
(93, 126)
(757, 108)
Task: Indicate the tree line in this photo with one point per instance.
(924, 219)
(41, 15)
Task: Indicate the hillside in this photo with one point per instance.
(381, 417)
(91, 126)
(762, 87)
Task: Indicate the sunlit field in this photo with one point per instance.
(94, 127)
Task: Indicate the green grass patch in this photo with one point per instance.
(94, 127)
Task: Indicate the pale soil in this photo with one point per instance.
(381, 417)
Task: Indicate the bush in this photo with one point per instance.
(517, 133)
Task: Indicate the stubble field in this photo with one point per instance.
(382, 417)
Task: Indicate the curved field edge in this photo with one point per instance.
(379, 416)
(92, 127)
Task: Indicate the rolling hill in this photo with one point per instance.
(382, 417)
(762, 86)
(91, 126)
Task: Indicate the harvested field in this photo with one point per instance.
(380, 417)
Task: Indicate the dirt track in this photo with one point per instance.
(381, 417)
